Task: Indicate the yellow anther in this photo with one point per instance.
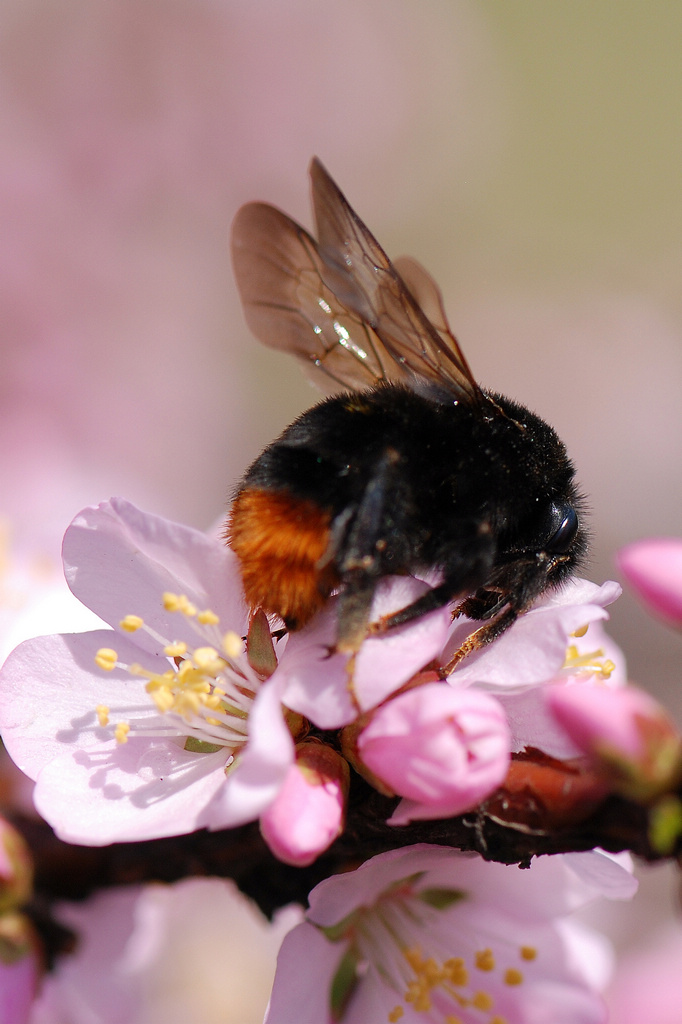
(498, 1020)
(106, 659)
(431, 971)
(131, 623)
(528, 952)
(121, 732)
(178, 603)
(590, 663)
(187, 703)
(233, 645)
(451, 1019)
(482, 1001)
(455, 971)
(396, 1013)
(102, 712)
(581, 632)
(513, 977)
(484, 960)
(176, 650)
(162, 697)
(208, 660)
(423, 1003)
(208, 618)
(413, 955)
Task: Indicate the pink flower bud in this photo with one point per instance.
(625, 731)
(308, 812)
(16, 868)
(654, 568)
(441, 748)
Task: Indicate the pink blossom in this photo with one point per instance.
(129, 731)
(533, 650)
(626, 732)
(560, 639)
(194, 951)
(319, 687)
(646, 982)
(309, 811)
(424, 934)
(654, 568)
(18, 984)
(442, 749)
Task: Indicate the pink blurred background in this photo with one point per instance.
(529, 154)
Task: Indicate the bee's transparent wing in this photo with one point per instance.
(339, 304)
(406, 315)
(287, 305)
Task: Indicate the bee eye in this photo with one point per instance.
(565, 521)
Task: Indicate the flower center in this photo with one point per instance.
(205, 693)
(443, 988)
(592, 663)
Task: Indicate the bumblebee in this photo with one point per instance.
(408, 465)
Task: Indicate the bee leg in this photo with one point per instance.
(462, 579)
(355, 604)
(360, 567)
(428, 602)
(480, 637)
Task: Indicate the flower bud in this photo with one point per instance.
(441, 748)
(308, 812)
(654, 568)
(16, 868)
(625, 731)
(20, 965)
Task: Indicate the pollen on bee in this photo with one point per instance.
(280, 541)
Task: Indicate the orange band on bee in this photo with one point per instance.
(280, 541)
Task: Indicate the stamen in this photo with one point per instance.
(233, 645)
(121, 732)
(590, 664)
(484, 960)
(106, 658)
(131, 623)
(205, 694)
(175, 650)
(178, 603)
(208, 618)
(431, 984)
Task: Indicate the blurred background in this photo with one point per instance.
(529, 155)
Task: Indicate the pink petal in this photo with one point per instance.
(261, 768)
(126, 792)
(317, 685)
(533, 650)
(50, 687)
(119, 561)
(654, 568)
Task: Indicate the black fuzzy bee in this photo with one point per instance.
(412, 466)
